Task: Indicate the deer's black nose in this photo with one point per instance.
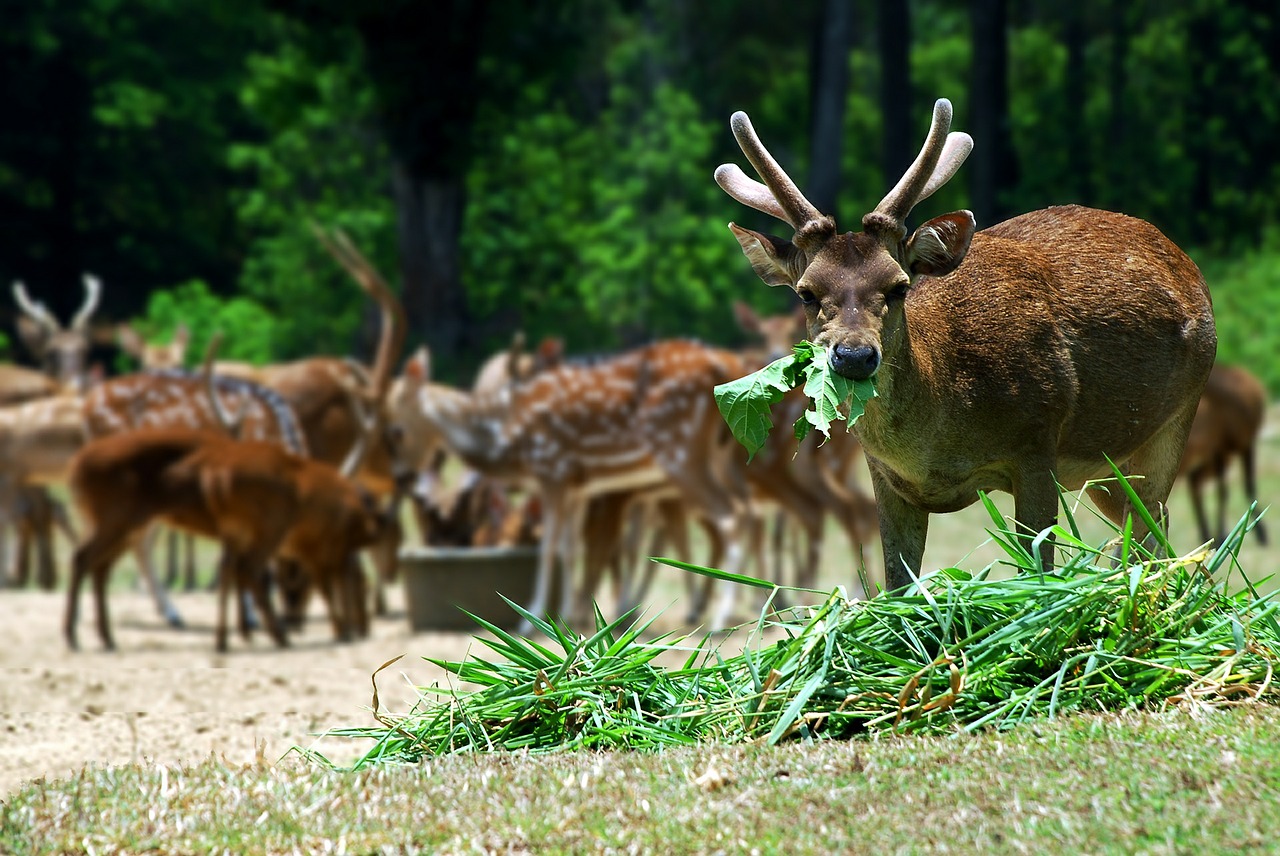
(855, 363)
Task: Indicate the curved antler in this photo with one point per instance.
(778, 196)
(939, 158)
(92, 294)
(34, 310)
(393, 332)
(230, 423)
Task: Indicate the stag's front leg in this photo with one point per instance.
(1035, 509)
(903, 530)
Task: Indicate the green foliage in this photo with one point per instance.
(321, 161)
(745, 403)
(608, 223)
(954, 650)
(248, 329)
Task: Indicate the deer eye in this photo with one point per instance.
(807, 297)
(898, 292)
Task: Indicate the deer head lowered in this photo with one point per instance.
(254, 496)
(1004, 359)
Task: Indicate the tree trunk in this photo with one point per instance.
(429, 221)
(829, 89)
(1079, 183)
(993, 169)
(893, 35)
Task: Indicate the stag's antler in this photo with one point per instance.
(92, 294)
(34, 309)
(778, 196)
(939, 158)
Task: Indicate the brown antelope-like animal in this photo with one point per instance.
(1004, 359)
(61, 350)
(37, 512)
(812, 479)
(258, 499)
(1227, 424)
(331, 397)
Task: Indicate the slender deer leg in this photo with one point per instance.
(143, 553)
(1220, 472)
(228, 568)
(1251, 490)
(903, 528)
(1195, 484)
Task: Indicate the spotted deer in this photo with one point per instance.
(1013, 359)
(642, 420)
(1227, 425)
(38, 438)
(809, 478)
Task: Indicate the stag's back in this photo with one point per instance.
(1084, 319)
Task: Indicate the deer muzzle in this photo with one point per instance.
(855, 362)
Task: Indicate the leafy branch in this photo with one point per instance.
(745, 403)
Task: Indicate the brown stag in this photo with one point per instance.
(1227, 424)
(1012, 359)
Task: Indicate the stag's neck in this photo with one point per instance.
(472, 426)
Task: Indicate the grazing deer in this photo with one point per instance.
(1015, 359)
(258, 499)
(331, 396)
(1227, 424)
(61, 350)
(808, 479)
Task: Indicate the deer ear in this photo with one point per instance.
(773, 259)
(746, 317)
(938, 246)
(129, 340)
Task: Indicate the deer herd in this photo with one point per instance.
(1018, 358)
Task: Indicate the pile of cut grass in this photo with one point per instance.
(1111, 629)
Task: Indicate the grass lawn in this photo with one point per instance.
(1187, 779)
(1181, 781)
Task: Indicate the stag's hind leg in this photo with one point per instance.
(1151, 471)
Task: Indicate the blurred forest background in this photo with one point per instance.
(547, 166)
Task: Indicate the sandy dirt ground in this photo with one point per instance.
(165, 697)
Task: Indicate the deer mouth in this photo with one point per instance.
(855, 362)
